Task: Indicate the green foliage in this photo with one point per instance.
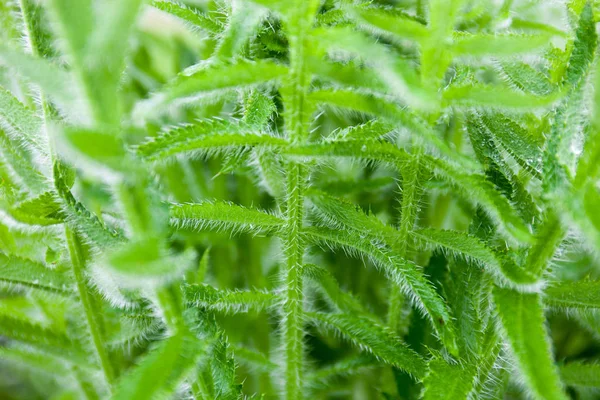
(522, 317)
(447, 381)
(327, 199)
(375, 339)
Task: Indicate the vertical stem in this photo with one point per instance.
(93, 317)
(298, 20)
(169, 299)
(292, 306)
(91, 313)
(409, 208)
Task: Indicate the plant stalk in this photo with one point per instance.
(91, 312)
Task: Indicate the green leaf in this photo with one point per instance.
(447, 381)
(435, 58)
(242, 24)
(55, 82)
(367, 149)
(467, 290)
(23, 273)
(395, 25)
(524, 77)
(228, 301)
(254, 359)
(372, 130)
(394, 114)
(213, 80)
(87, 224)
(573, 295)
(270, 167)
(322, 378)
(584, 48)
(220, 215)
(327, 284)
(580, 374)
(74, 22)
(206, 138)
(45, 338)
(407, 275)
(21, 123)
(470, 247)
(223, 371)
(44, 210)
(192, 17)
(340, 214)
(145, 262)
(522, 318)
(352, 74)
(96, 36)
(497, 45)
(478, 189)
(401, 80)
(375, 339)
(549, 235)
(496, 97)
(108, 41)
(100, 154)
(258, 109)
(515, 140)
(29, 358)
(18, 167)
(161, 369)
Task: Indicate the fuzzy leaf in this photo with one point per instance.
(396, 25)
(369, 149)
(447, 381)
(212, 80)
(254, 359)
(165, 365)
(20, 272)
(146, 262)
(573, 295)
(403, 273)
(43, 210)
(527, 79)
(228, 301)
(21, 123)
(477, 188)
(18, 168)
(242, 24)
(220, 215)
(328, 285)
(522, 320)
(584, 47)
(516, 141)
(193, 18)
(498, 98)
(375, 339)
(99, 154)
(471, 247)
(394, 113)
(204, 138)
(581, 374)
(495, 45)
(55, 82)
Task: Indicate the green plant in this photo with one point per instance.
(299, 199)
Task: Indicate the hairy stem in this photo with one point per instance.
(292, 306)
(93, 316)
(298, 22)
(91, 312)
(409, 208)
